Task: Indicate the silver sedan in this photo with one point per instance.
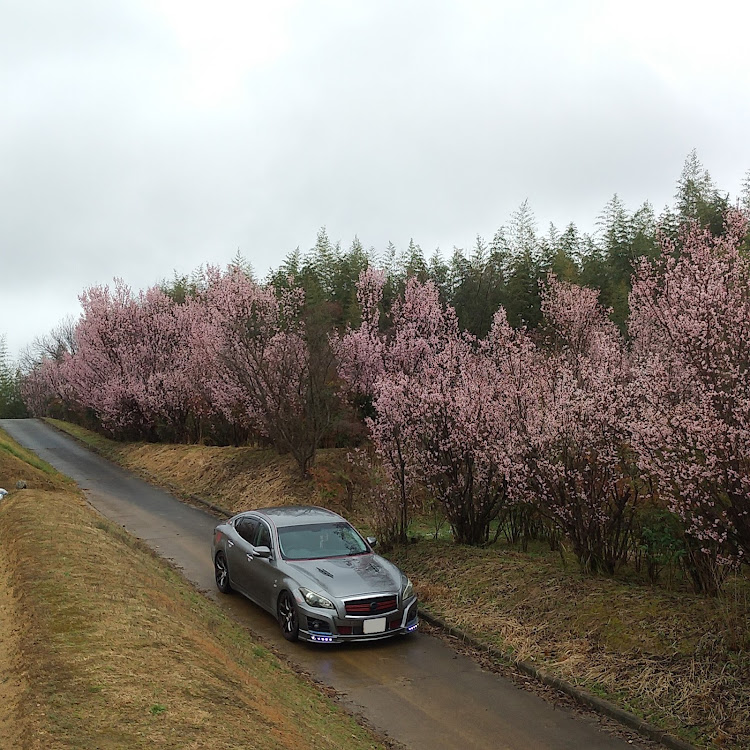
(313, 571)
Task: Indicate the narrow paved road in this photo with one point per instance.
(416, 690)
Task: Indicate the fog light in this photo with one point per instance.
(320, 626)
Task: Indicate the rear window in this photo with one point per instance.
(318, 540)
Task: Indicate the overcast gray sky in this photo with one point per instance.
(139, 138)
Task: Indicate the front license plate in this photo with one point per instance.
(374, 626)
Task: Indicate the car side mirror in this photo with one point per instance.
(262, 551)
(372, 541)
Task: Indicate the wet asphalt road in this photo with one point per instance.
(417, 690)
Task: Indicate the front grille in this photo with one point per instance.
(374, 606)
(356, 630)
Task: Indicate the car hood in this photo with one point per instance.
(350, 576)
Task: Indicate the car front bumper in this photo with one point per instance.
(324, 626)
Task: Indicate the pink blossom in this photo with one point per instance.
(690, 324)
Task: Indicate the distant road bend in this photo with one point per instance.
(417, 690)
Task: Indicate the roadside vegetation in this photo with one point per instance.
(679, 659)
(584, 395)
(105, 646)
(539, 395)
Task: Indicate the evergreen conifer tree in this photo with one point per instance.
(697, 197)
(11, 403)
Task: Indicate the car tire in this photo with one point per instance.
(287, 615)
(221, 573)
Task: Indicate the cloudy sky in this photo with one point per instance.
(143, 137)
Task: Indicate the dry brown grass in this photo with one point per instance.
(12, 680)
(680, 660)
(106, 646)
(234, 478)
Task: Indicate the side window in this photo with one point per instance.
(264, 536)
(247, 528)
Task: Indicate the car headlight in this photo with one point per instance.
(316, 600)
(408, 589)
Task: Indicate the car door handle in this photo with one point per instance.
(249, 557)
(230, 543)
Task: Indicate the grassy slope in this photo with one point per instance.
(678, 659)
(16, 464)
(103, 645)
(234, 478)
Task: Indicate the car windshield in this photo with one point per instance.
(318, 540)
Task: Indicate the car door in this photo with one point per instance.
(263, 573)
(240, 554)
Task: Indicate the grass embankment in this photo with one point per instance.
(103, 645)
(677, 659)
(233, 478)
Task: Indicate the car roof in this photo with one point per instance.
(298, 515)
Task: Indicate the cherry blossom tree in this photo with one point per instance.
(147, 366)
(361, 363)
(690, 324)
(572, 413)
(361, 359)
(45, 390)
(442, 415)
(103, 373)
(131, 361)
(266, 365)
